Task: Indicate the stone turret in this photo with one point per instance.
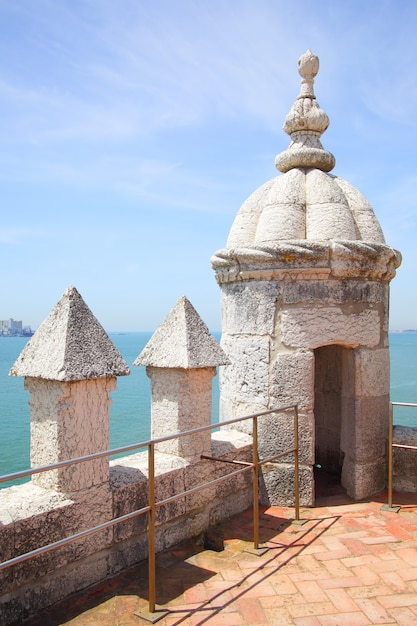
(70, 367)
(304, 284)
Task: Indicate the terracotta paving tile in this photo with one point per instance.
(302, 575)
(332, 555)
(333, 543)
(403, 534)
(380, 539)
(365, 574)
(342, 582)
(394, 580)
(251, 610)
(409, 573)
(336, 568)
(311, 591)
(259, 590)
(342, 600)
(391, 565)
(303, 609)
(306, 621)
(398, 599)
(357, 534)
(370, 591)
(197, 593)
(308, 563)
(409, 555)
(345, 619)
(283, 585)
(269, 602)
(403, 616)
(315, 549)
(374, 611)
(364, 559)
(279, 617)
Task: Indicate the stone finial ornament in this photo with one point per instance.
(305, 123)
(308, 67)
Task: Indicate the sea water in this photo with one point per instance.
(130, 409)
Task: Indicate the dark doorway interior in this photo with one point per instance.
(332, 399)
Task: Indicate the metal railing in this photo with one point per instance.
(154, 615)
(391, 445)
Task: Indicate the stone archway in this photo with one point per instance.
(333, 404)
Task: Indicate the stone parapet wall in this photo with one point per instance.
(31, 516)
(404, 460)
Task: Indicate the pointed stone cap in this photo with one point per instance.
(305, 123)
(182, 341)
(70, 345)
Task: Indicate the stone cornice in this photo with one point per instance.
(311, 260)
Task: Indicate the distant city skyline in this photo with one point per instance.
(10, 327)
(131, 133)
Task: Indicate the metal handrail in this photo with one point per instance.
(152, 505)
(135, 446)
(391, 446)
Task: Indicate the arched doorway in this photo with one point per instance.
(333, 403)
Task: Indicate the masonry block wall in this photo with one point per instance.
(32, 516)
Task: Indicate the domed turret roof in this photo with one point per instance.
(305, 202)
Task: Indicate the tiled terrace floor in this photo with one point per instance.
(349, 564)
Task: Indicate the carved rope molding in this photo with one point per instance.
(340, 259)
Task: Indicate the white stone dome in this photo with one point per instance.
(304, 204)
(306, 217)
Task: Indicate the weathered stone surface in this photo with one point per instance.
(69, 420)
(70, 345)
(332, 292)
(182, 341)
(317, 326)
(247, 377)
(292, 380)
(278, 222)
(276, 435)
(365, 260)
(255, 314)
(230, 409)
(40, 517)
(23, 501)
(362, 480)
(365, 429)
(277, 485)
(181, 400)
(363, 214)
(372, 374)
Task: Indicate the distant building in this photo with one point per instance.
(14, 328)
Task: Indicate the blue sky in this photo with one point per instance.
(132, 131)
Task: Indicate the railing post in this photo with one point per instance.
(151, 530)
(296, 467)
(390, 441)
(152, 615)
(255, 484)
(389, 506)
